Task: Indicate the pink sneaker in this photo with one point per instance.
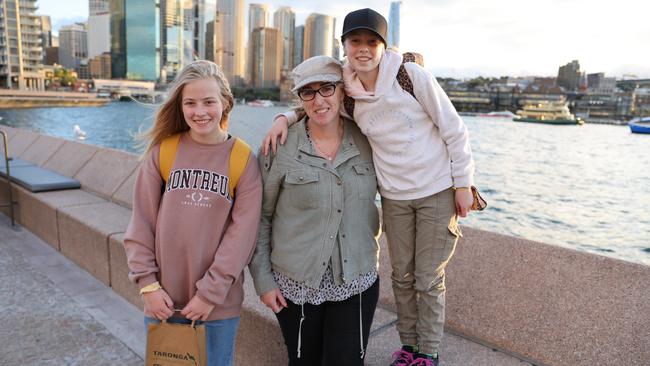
(403, 356)
(424, 360)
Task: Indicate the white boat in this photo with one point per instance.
(260, 103)
(499, 114)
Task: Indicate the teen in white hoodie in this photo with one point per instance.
(424, 170)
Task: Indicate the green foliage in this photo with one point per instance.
(64, 76)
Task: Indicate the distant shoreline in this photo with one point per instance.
(594, 121)
(12, 99)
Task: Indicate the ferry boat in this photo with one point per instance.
(549, 112)
(498, 114)
(640, 125)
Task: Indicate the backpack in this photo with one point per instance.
(402, 77)
(238, 160)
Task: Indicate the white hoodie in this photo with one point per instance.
(420, 147)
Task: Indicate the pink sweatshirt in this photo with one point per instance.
(193, 239)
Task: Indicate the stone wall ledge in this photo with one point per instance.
(541, 303)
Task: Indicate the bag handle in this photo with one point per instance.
(198, 343)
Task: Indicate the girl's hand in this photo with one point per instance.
(197, 309)
(464, 200)
(279, 128)
(158, 304)
(274, 300)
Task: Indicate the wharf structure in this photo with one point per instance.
(534, 303)
(593, 106)
(12, 98)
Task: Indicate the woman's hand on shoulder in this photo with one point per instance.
(279, 128)
(158, 304)
(274, 300)
(197, 309)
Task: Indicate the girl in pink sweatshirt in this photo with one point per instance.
(188, 240)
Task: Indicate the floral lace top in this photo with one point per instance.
(299, 294)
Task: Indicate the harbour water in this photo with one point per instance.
(583, 187)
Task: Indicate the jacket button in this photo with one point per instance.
(324, 164)
(338, 182)
(344, 235)
(339, 211)
(331, 236)
(323, 263)
(301, 178)
(345, 261)
(299, 156)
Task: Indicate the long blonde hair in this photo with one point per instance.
(169, 118)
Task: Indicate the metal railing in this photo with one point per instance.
(11, 199)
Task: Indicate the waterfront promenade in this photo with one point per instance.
(55, 313)
(65, 275)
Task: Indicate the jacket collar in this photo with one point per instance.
(307, 154)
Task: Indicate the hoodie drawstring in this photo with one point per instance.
(302, 317)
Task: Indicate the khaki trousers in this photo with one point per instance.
(422, 236)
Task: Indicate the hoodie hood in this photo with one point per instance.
(388, 68)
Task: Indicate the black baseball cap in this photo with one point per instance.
(367, 19)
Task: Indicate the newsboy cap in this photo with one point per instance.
(316, 69)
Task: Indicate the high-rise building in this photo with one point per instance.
(46, 35)
(210, 38)
(143, 40)
(263, 45)
(393, 24)
(99, 36)
(176, 36)
(319, 35)
(284, 20)
(100, 66)
(229, 40)
(257, 18)
(298, 43)
(204, 14)
(258, 15)
(569, 75)
(598, 83)
(118, 38)
(73, 45)
(21, 51)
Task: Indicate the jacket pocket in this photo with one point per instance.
(366, 180)
(302, 188)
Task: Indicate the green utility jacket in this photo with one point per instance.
(314, 213)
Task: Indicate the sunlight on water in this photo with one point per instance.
(583, 187)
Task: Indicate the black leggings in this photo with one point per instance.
(330, 331)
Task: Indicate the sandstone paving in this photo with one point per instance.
(55, 313)
(42, 324)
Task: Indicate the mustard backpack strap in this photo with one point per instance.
(167, 154)
(238, 160)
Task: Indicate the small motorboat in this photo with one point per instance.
(640, 125)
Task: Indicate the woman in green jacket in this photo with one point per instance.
(315, 263)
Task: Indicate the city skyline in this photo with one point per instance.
(479, 39)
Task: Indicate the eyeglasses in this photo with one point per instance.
(326, 90)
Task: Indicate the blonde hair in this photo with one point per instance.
(169, 118)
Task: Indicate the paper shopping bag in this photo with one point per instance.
(170, 344)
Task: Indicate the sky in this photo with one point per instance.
(469, 38)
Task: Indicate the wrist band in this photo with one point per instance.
(150, 288)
